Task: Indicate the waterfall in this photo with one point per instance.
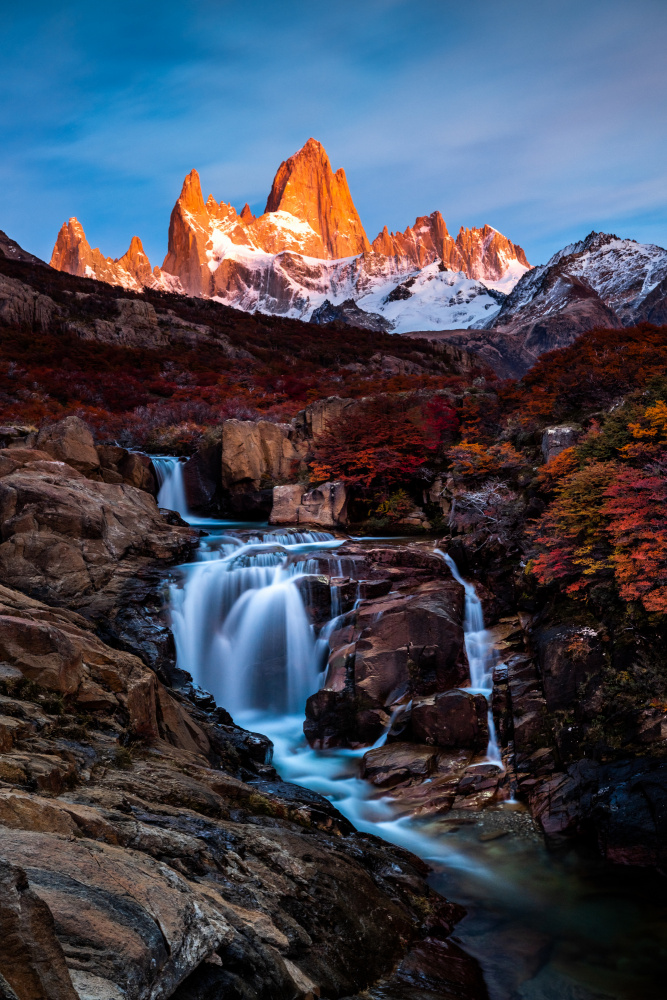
(480, 654)
(240, 625)
(171, 491)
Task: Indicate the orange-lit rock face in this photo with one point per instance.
(214, 250)
(479, 253)
(305, 186)
(73, 253)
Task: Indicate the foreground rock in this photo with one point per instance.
(150, 850)
(95, 547)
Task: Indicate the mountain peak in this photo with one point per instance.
(306, 187)
(191, 197)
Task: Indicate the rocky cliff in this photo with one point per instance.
(73, 253)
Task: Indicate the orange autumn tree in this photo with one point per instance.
(472, 462)
(571, 545)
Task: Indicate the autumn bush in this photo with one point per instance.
(608, 521)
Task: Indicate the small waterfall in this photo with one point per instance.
(240, 625)
(171, 491)
(480, 655)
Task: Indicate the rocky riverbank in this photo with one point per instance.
(149, 848)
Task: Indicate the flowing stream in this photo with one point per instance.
(542, 927)
(481, 659)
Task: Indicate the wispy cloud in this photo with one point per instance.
(544, 120)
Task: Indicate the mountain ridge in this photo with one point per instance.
(289, 259)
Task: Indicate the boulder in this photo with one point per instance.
(201, 478)
(411, 643)
(257, 451)
(557, 439)
(70, 440)
(452, 719)
(122, 466)
(395, 763)
(392, 648)
(286, 503)
(324, 506)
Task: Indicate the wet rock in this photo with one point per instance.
(397, 762)
(621, 807)
(70, 440)
(410, 643)
(453, 719)
(399, 646)
(530, 725)
(568, 656)
(203, 484)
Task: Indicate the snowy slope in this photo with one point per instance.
(619, 274)
(294, 285)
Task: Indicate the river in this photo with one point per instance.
(543, 926)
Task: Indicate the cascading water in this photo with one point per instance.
(240, 625)
(481, 659)
(171, 491)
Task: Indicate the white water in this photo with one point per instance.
(239, 621)
(171, 491)
(481, 659)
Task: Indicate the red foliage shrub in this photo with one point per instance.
(372, 448)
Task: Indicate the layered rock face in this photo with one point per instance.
(81, 528)
(308, 246)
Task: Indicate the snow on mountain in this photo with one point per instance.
(409, 298)
(614, 278)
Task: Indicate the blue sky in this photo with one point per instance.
(545, 120)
